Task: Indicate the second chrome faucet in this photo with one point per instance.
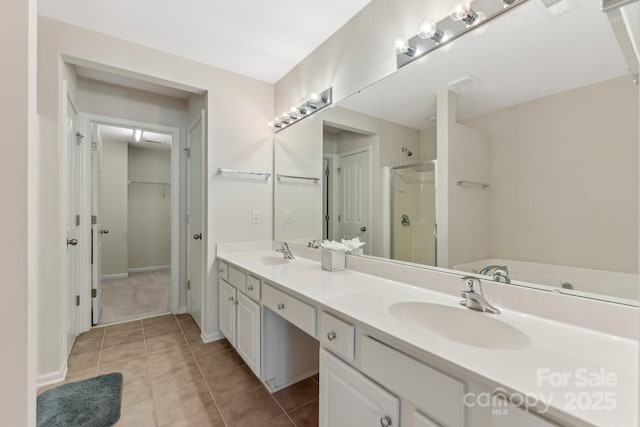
(474, 297)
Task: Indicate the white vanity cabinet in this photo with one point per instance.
(240, 319)
(348, 398)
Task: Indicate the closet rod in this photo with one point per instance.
(149, 182)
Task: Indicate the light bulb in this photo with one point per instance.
(403, 47)
(271, 124)
(427, 29)
(314, 97)
(461, 11)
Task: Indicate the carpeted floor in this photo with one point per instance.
(140, 295)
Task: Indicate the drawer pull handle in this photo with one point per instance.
(280, 306)
(331, 336)
(385, 421)
(221, 270)
(250, 288)
(235, 302)
(230, 298)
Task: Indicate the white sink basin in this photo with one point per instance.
(462, 325)
(271, 260)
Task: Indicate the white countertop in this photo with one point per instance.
(557, 347)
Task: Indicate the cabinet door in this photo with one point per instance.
(248, 332)
(227, 311)
(348, 398)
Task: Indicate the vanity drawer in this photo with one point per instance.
(337, 335)
(439, 396)
(223, 270)
(237, 278)
(253, 288)
(292, 309)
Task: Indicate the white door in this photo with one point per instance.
(248, 332)
(73, 241)
(195, 200)
(348, 398)
(96, 227)
(354, 197)
(227, 311)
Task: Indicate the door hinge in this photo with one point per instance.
(77, 220)
(339, 217)
(188, 219)
(188, 151)
(326, 172)
(339, 170)
(94, 293)
(326, 217)
(94, 219)
(188, 285)
(77, 299)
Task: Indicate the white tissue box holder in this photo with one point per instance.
(332, 260)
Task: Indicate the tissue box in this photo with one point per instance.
(332, 260)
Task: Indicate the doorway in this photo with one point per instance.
(132, 220)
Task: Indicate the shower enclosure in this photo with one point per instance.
(413, 213)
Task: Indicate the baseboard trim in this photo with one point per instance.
(273, 388)
(152, 268)
(216, 336)
(181, 310)
(53, 377)
(115, 276)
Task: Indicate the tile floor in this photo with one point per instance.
(172, 379)
(140, 295)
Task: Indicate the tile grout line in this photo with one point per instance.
(104, 337)
(286, 414)
(146, 356)
(206, 384)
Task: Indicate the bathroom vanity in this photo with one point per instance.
(384, 361)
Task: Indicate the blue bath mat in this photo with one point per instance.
(94, 402)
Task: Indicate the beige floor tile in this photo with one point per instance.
(192, 333)
(306, 416)
(183, 316)
(171, 357)
(161, 329)
(80, 375)
(230, 383)
(282, 421)
(135, 390)
(164, 342)
(188, 322)
(130, 368)
(297, 394)
(165, 319)
(87, 345)
(316, 378)
(208, 418)
(122, 352)
(139, 414)
(112, 340)
(219, 363)
(250, 409)
(182, 402)
(91, 333)
(82, 362)
(124, 327)
(165, 380)
(201, 349)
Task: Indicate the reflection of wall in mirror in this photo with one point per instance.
(564, 178)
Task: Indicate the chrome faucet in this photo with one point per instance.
(474, 297)
(500, 273)
(285, 251)
(315, 244)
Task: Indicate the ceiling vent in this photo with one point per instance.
(463, 83)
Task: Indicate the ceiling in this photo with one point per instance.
(151, 140)
(256, 38)
(522, 56)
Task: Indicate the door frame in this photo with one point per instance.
(368, 149)
(87, 120)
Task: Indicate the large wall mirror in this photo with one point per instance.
(512, 153)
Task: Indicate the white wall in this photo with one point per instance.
(237, 111)
(149, 209)
(17, 249)
(566, 192)
(112, 207)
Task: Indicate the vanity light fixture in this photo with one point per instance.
(403, 47)
(427, 29)
(442, 34)
(316, 102)
(461, 11)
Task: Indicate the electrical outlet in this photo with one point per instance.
(288, 216)
(255, 216)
